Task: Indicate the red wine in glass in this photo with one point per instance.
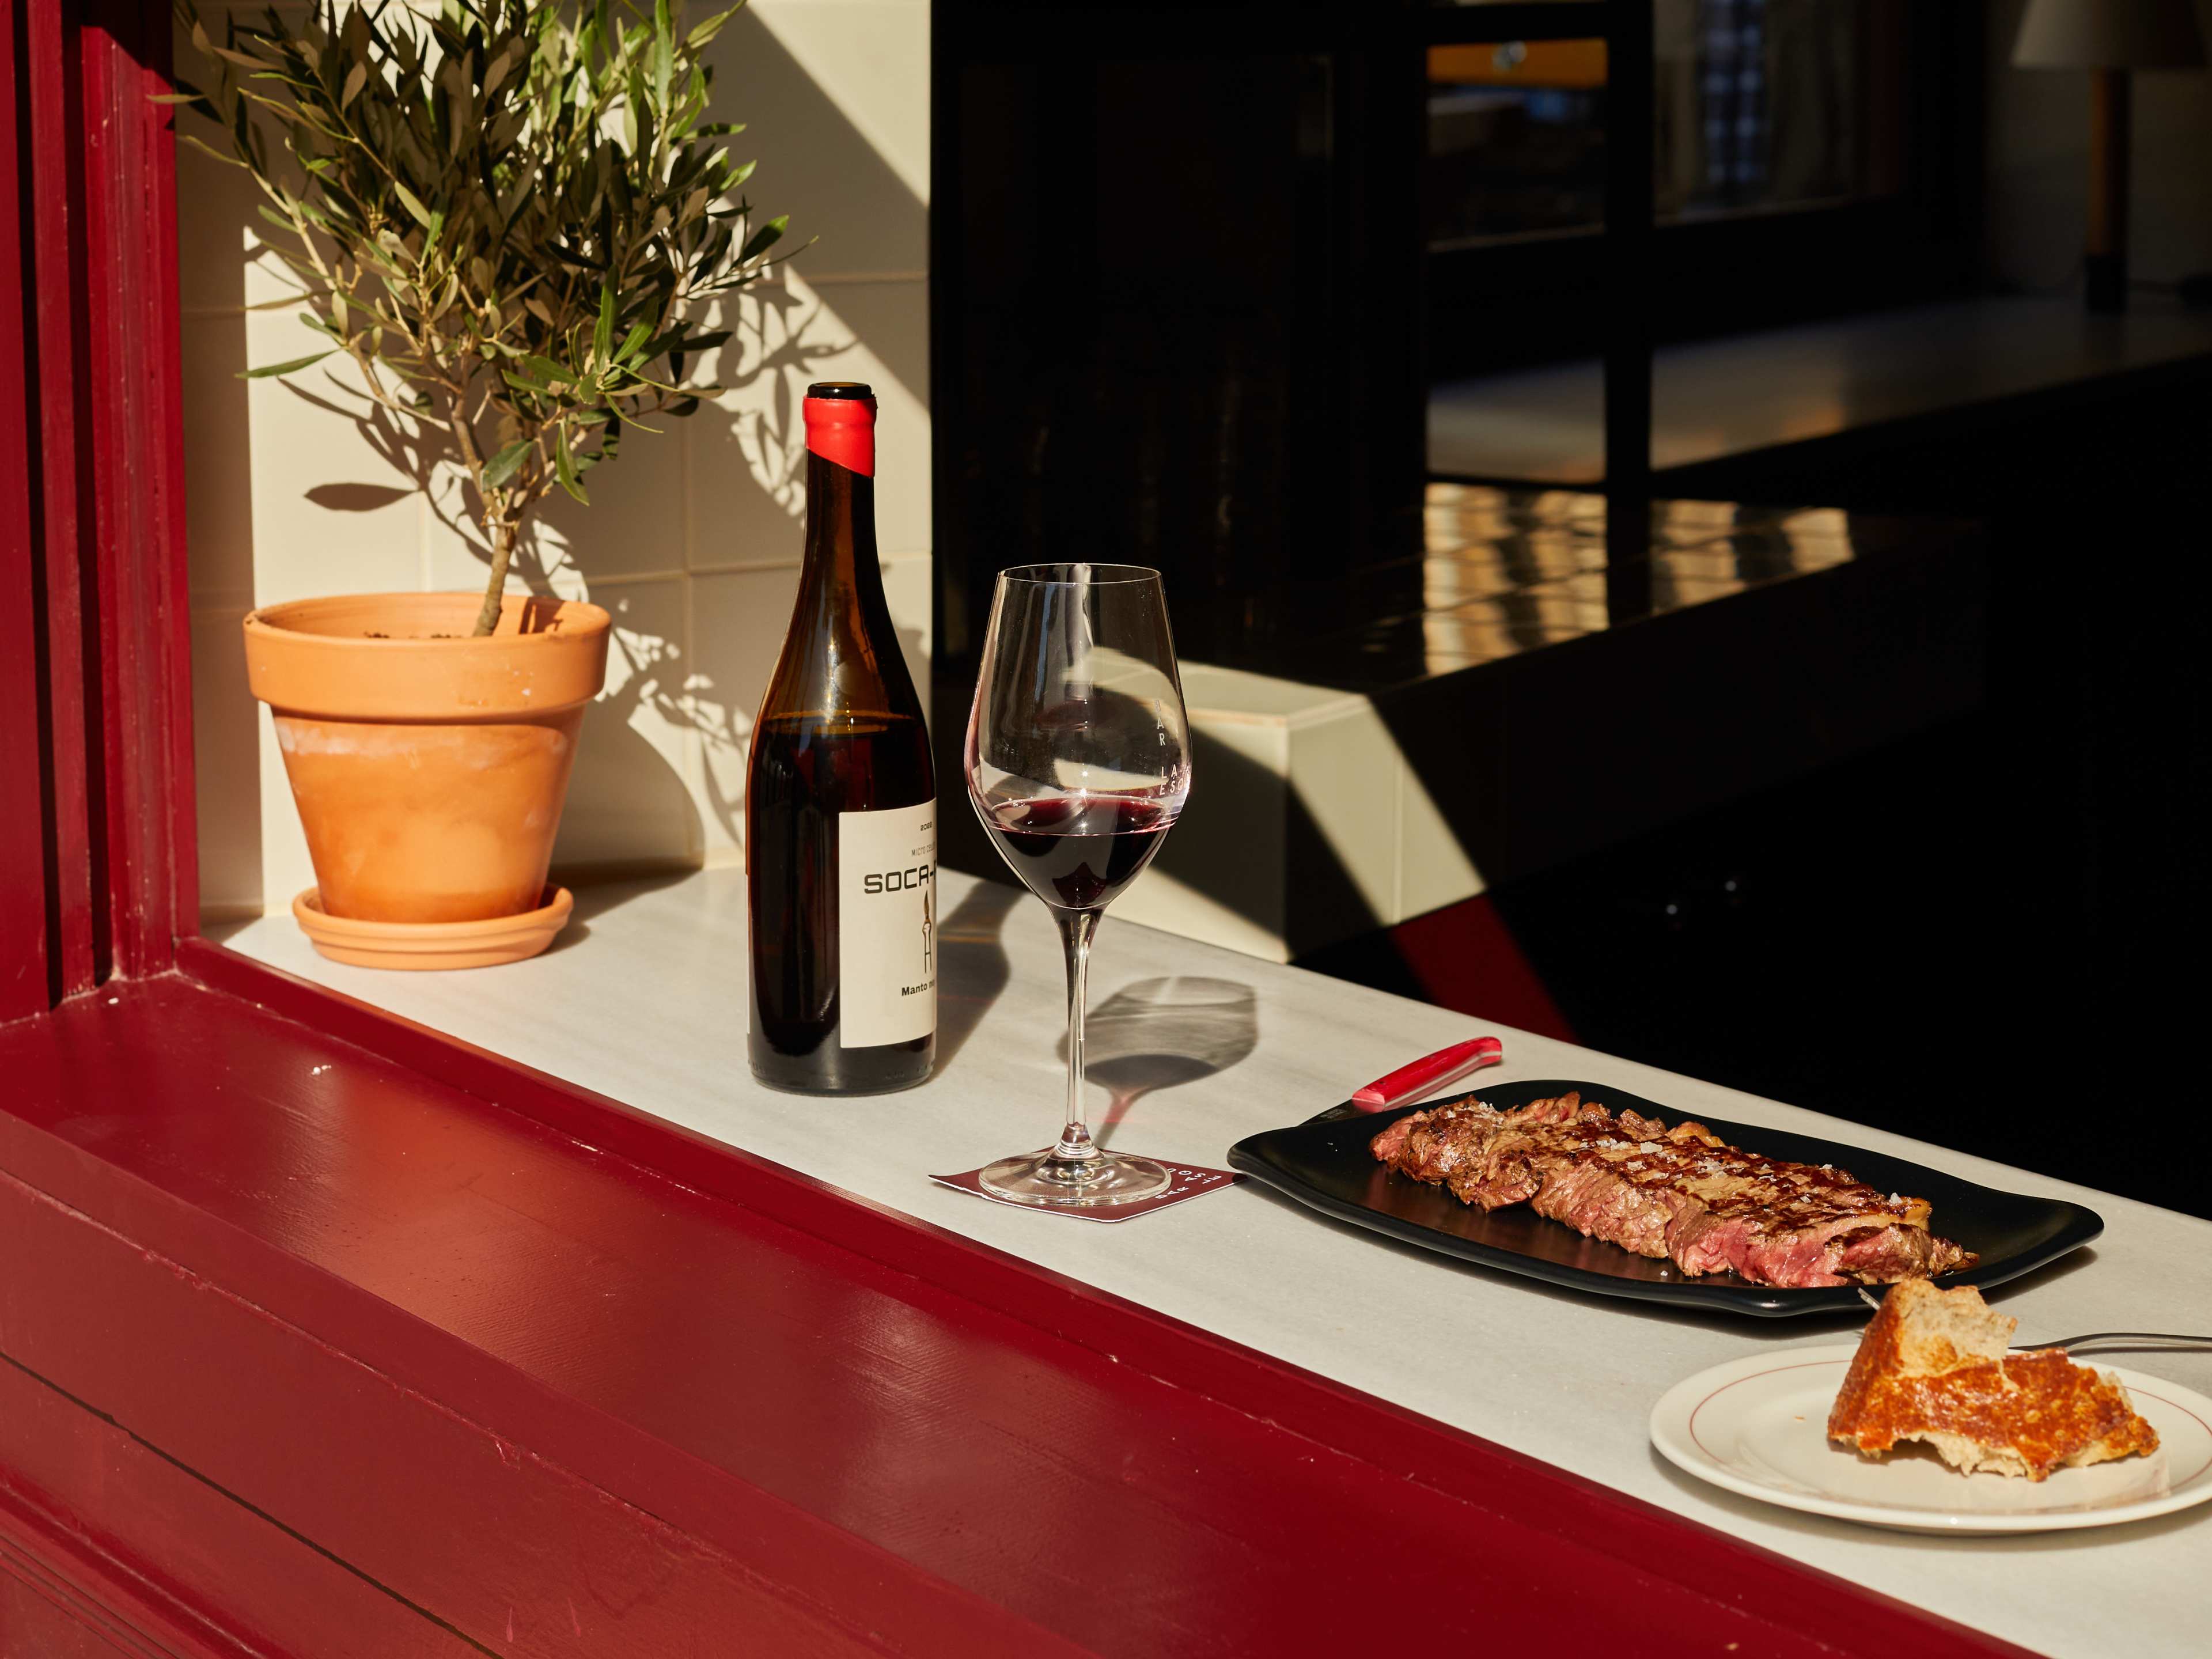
(1078, 852)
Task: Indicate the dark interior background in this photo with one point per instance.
(1161, 276)
(1187, 305)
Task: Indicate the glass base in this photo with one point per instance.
(1103, 1179)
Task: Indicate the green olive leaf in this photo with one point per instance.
(564, 466)
(502, 466)
(284, 368)
(413, 203)
(763, 239)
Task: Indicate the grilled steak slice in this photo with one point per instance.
(1681, 1193)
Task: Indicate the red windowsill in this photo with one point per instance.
(474, 1352)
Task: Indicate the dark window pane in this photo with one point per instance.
(1768, 104)
(1517, 139)
(1760, 104)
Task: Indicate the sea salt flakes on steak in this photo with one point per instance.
(1681, 1193)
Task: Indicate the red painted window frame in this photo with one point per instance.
(170, 1513)
(95, 642)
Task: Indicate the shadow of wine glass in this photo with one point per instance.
(971, 963)
(1162, 1033)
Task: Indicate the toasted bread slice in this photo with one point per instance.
(1934, 1366)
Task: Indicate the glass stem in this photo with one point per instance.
(1076, 928)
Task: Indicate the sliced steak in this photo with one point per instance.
(1681, 1193)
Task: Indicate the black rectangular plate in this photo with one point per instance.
(1325, 1162)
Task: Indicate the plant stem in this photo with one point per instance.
(503, 531)
(502, 520)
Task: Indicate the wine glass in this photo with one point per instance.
(1078, 762)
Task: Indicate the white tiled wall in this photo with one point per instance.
(692, 539)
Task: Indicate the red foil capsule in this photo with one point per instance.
(842, 427)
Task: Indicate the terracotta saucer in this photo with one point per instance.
(427, 945)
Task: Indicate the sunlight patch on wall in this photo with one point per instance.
(871, 58)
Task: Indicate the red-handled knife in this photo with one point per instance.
(1431, 1072)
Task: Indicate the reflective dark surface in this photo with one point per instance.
(1503, 572)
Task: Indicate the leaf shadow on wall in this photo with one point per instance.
(732, 518)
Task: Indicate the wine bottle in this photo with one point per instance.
(841, 804)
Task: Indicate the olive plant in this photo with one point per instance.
(509, 215)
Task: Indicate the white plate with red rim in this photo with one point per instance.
(1758, 1426)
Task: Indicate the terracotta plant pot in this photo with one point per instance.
(429, 768)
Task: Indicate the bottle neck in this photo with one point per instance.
(841, 526)
(842, 662)
(841, 587)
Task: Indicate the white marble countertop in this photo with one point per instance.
(643, 1001)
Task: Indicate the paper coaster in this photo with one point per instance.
(1185, 1181)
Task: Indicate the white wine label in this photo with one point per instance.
(886, 926)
